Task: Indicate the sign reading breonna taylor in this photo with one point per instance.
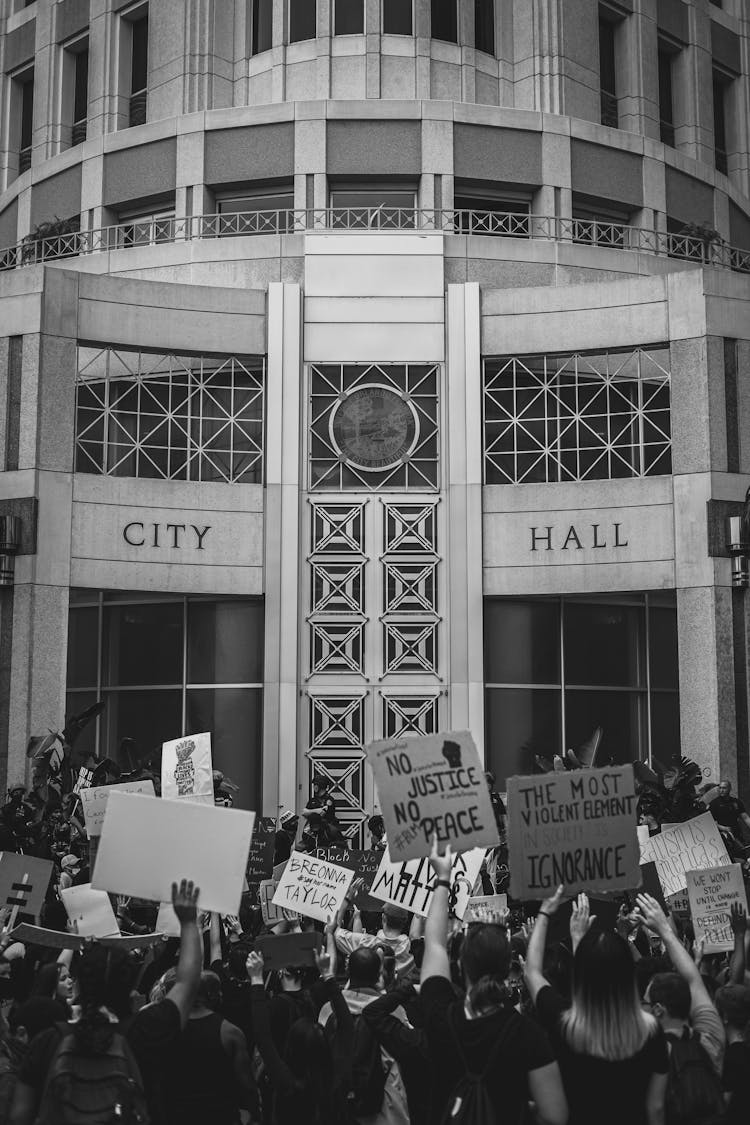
(576, 828)
(187, 770)
(432, 785)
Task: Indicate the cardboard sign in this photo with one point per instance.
(477, 904)
(57, 939)
(432, 785)
(692, 846)
(187, 769)
(313, 887)
(280, 950)
(410, 885)
(576, 828)
(271, 914)
(23, 885)
(147, 845)
(712, 892)
(83, 781)
(90, 910)
(94, 802)
(259, 860)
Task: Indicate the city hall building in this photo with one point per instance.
(375, 366)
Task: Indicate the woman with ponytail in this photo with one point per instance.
(481, 1048)
(613, 1055)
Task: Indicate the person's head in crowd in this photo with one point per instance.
(725, 788)
(376, 828)
(365, 969)
(321, 784)
(209, 991)
(37, 1014)
(667, 996)
(162, 986)
(606, 1018)
(484, 958)
(54, 982)
(308, 1056)
(733, 1005)
(396, 920)
(291, 979)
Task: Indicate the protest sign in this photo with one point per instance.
(313, 887)
(280, 950)
(576, 828)
(94, 802)
(90, 911)
(271, 914)
(187, 770)
(23, 885)
(59, 939)
(260, 859)
(478, 904)
(712, 892)
(167, 922)
(433, 785)
(147, 845)
(691, 846)
(83, 781)
(410, 885)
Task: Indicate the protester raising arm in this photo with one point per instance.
(535, 978)
(738, 919)
(185, 989)
(435, 962)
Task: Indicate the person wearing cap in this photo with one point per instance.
(376, 827)
(285, 837)
(70, 865)
(393, 933)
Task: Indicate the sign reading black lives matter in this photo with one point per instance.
(576, 828)
(432, 784)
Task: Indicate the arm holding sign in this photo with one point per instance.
(535, 978)
(738, 919)
(435, 962)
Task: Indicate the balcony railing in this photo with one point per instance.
(137, 109)
(608, 110)
(80, 128)
(703, 250)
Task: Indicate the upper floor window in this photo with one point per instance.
(484, 26)
(302, 20)
(444, 20)
(349, 17)
(134, 62)
(721, 85)
(480, 209)
(75, 91)
(261, 31)
(144, 227)
(555, 418)
(607, 70)
(397, 17)
(25, 85)
(599, 224)
(381, 206)
(169, 416)
(264, 210)
(666, 108)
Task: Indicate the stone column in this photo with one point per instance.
(464, 561)
(282, 550)
(638, 72)
(693, 100)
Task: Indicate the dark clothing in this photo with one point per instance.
(151, 1035)
(285, 1009)
(282, 847)
(737, 1082)
(292, 1103)
(728, 812)
(526, 1049)
(592, 1083)
(199, 1079)
(408, 1046)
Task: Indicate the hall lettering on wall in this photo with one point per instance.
(174, 536)
(576, 538)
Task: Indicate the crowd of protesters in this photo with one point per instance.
(565, 1011)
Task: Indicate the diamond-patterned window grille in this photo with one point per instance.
(374, 427)
(410, 646)
(552, 418)
(336, 726)
(170, 416)
(337, 647)
(409, 714)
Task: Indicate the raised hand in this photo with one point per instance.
(254, 967)
(323, 961)
(185, 901)
(738, 918)
(580, 920)
(651, 914)
(552, 904)
(441, 864)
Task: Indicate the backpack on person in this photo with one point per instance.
(471, 1102)
(694, 1090)
(87, 1088)
(368, 1073)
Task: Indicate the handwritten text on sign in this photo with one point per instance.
(411, 884)
(432, 785)
(576, 828)
(692, 846)
(712, 893)
(94, 801)
(313, 887)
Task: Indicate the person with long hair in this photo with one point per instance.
(483, 1035)
(613, 1054)
(311, 1081)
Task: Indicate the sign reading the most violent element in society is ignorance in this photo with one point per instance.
(429, 785)
(576, 828)
(313, 887)
(712, 893)
(410, 885)
(187, 769)
(691, 846)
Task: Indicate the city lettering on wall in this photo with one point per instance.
(594, 535)
(174, 536)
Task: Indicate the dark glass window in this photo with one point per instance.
(27, 110)
(139, 58)
(262, 26)
(666, 109)
(302, 20)
(148, 717)
(580, 664)
(349, 17)
(397, 17)
(444, 20)
(235, 718)
(142, 644)
(720, 86)
(484, 26)
(218, 649)
(607, 79)
(81, 95)
(83, 648)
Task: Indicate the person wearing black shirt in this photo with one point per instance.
(729, 811)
